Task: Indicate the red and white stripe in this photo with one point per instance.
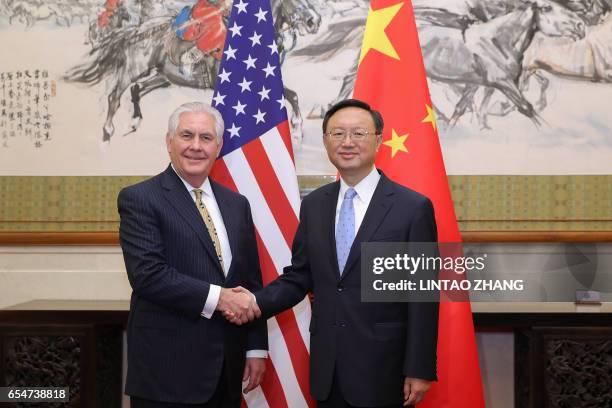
(264, 171)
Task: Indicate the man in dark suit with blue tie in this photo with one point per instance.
(185, 239)
(361, 354)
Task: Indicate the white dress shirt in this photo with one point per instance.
(208, 198)
(365, 190)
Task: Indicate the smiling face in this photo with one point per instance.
(194, 147)
(354, 159)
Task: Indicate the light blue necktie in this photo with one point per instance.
(345, 230)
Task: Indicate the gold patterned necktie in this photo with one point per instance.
(210, 225)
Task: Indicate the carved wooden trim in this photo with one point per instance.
(79, 350)
(562, 366)
(112, 238)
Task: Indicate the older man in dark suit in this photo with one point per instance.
(361, 354)
(185, 239)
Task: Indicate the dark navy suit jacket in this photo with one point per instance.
(175, 354)
(372, 346)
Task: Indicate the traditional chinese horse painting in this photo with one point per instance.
(183, 50)
(519, 86)
(505, 77)
(119, 63)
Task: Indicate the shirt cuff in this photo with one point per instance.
(211, 301)
(257, 354)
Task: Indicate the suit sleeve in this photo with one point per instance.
(293, 285)
(258, 330)
(143, 248)
(422, 325)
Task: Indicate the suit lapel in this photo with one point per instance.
(178, 196)
(329, 223)
(227, 206)
(379, 206)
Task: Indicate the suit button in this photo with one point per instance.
(342, 324)
(340, 288)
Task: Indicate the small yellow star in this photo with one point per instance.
(375, 36)
(431, 117)
(396, 143)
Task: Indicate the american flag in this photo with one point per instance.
(257, 161)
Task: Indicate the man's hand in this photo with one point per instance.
(414, 390)
(252, 313)
(254, 370)
(238, 305)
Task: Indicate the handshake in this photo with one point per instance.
(238, 305)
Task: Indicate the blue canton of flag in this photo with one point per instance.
(249, 89)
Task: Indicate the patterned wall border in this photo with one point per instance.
(485, 205)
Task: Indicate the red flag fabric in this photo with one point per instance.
(391, 78)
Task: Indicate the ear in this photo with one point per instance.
(378, 141)
(168, 142)
(219, 147)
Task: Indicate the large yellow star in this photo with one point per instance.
(375, 36)
(396, 143)
(431, 117)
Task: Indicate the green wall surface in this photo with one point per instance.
(482, 203)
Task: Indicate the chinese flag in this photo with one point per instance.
(391, 78)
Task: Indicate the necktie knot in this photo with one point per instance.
(198, 194)
(350, 194)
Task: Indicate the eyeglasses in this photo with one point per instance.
(355, 134)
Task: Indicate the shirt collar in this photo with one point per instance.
(365, 188)
(206, 187)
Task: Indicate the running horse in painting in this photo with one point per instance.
(141, 55)
(484, 47)
(490, 54)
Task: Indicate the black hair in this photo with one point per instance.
(355, 103)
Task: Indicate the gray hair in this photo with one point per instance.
(194, 107)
